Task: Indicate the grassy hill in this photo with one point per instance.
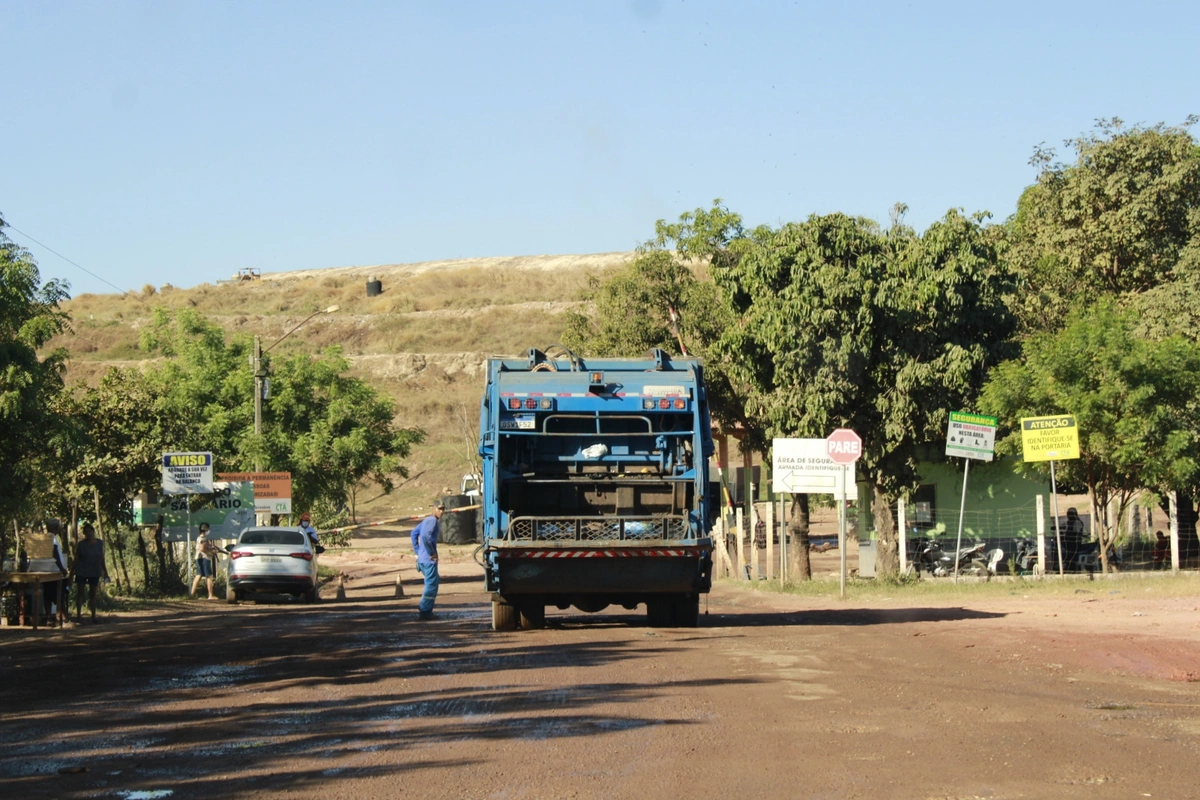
(423, 341)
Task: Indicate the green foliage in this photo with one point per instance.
(331, 431)
(1117, 220)
(662, 299)
(120, 429)
(843, 324)
(29, 317)
(840, 323)
(1133, 398)
(326, 428)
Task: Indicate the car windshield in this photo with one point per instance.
(272, 537)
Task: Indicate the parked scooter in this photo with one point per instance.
(971, 560)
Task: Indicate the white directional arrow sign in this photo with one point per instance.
(802, 466)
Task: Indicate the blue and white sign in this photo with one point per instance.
(187, 473)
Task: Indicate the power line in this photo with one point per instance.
(72, 263)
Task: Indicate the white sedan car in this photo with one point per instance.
(274, 560)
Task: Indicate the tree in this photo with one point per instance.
(1116, 221)
(29, 318)
(840, 323)
(331, 431)
(328, 429)
(1134, 400)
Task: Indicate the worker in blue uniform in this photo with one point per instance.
(424, 542)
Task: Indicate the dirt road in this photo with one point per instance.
(1092, 694)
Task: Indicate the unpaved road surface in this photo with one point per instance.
(1094, 695)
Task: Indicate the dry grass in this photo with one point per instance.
(437, 326)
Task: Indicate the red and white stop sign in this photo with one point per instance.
(843, 446)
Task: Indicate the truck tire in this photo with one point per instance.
(687, 612)
(533, 616)
(504, 616)
(658, 614)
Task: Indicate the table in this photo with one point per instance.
(36, 578)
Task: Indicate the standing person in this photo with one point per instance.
(424, 542)
(52, 597)
(308, 530)
(206, 561)
(89, 568)
(1162, 549)
(1072, 536)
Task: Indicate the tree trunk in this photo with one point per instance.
(887, 546)
(161, 552)
(145, 561)
(800, 566)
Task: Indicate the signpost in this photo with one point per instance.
(803, 466)
(229, 511)
(187, 474)
(968, 436)
(844, 447)
(272, 490)
(1051, 439)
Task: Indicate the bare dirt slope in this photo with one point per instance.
(773, 696)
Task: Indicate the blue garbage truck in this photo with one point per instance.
(595, 486)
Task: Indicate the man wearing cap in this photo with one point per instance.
(424, 542)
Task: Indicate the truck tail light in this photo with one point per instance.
(530, 402)
(545, 404)
(514, 403)
(680, 403)
(664, 403)
(648, 404)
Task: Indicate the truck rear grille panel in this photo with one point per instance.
(591, 529)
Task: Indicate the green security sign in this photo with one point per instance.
(971, 436)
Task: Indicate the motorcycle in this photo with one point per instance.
(973, 559)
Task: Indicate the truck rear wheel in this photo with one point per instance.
(533, 616)
(658, 614)
(504, 616)
(687, 612)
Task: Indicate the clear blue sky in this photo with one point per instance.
(156, 142)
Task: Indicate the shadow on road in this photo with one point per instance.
(846, 616)
(219, 701)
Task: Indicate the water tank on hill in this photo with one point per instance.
(457, 527)
(374, 286)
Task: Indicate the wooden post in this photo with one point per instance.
(783, 543)
(770, 541)
(1173, 510)
(399, 586)
(752, 524)
(737, 543)
(341, 587)
(1040, 569)
(721, 565)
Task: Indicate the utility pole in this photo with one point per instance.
(259, 374)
